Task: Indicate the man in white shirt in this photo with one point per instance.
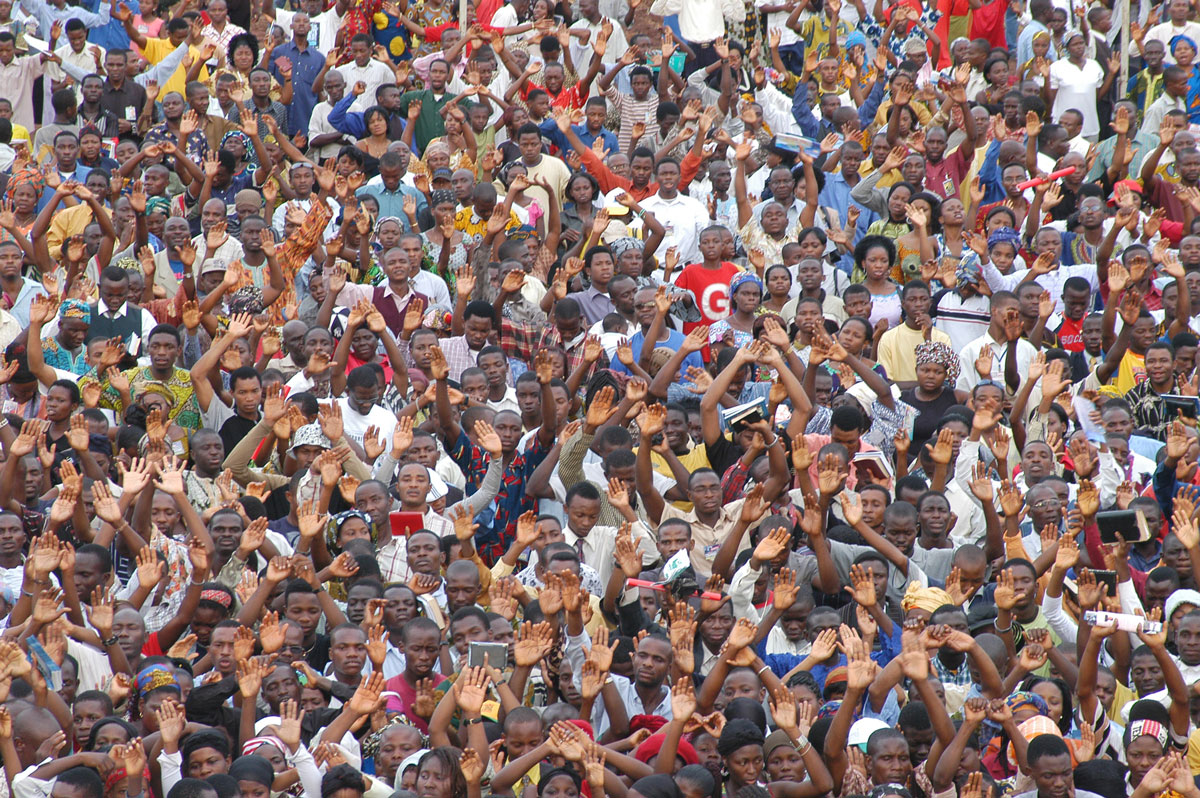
(359, 410)
(590, 20)
(1177, 25)
(1004, 332)
(683, 217)
(325, 23)
(77, 52)
(363, 68)
(324, 140)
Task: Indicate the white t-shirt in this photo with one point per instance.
(355, 424)
(1076, 89)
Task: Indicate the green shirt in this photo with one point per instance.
(429, 124)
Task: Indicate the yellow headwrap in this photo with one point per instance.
(924, 598)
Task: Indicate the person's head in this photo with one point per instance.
(438, 774)
(1050, 765)
(888, 758)
(420, 640)
(205, 753)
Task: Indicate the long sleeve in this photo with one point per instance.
(570, 459)
(161, 72)
(868, 196)
(804, 115)
(605, 176)
(866, 114)
(346, 121)
(1001, 282)
(206, 704)
(238, 461)
(489, 486)
(306, 768)
(168, 765)
(1058, 620)
(989, 173)
(776, 110)
(741, 592)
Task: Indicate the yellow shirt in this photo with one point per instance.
(158, 49)
(21, 133)
(696, 457)
(1132, 368)
(896, 353)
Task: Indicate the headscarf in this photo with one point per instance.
(75, 309)
(442, 196)
(158, 205)
(1147, 728)
(250, 159)
(27, 175)
(741, 278)
(1023, 699)
(924, 598)
(336, 523)
(622, 245)
(856, 39)
(1004, 235)
(1181, 38)
(247, 299)
(941, 353)
(159, 389)
(651, 747)
(154, 677)
(218, 597)
(255, 743)
(252, 768)
(1034, 727)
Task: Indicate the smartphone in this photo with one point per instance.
(404, 524)
(494, 655)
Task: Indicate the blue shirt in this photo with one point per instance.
(674, 341)
(836, 195)
(550, 131)
(306, 65)
(391, 203)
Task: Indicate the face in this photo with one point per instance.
(205, 762)
(890, 763)
(348, 652)
(1053, 776)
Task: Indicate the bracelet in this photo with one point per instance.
(112, 641)
(25, 592)
(473, 721)
(763, 668)
(801, 744)
(1001, 631)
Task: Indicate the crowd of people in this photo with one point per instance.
(627, 398)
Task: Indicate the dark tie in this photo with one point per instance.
(579, 548)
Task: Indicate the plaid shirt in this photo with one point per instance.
(522, 340)
(733, 484)
(511, 501)
(1149, 409)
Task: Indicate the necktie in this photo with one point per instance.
(579, 548)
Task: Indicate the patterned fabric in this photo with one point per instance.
(1148, 409)
(522, 340)
(196, 147)
(185, 412)
(511, 500)
(58, 357)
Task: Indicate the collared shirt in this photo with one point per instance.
(459, 356)
(1149, 409)
(706, 539)
(393, 555)
(123, 103)
(594, 303)
(968, 377)
(18, 306)
(683, 218)
(17, 77)
(391, 202)
(598, 546)
(225, 35)
(633, 704)
(306, 65)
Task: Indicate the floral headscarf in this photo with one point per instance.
(943, 354)
(27, 175)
